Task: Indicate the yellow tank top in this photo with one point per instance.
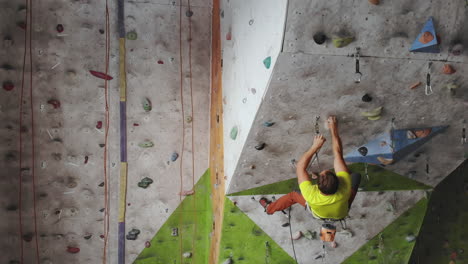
(328, 206)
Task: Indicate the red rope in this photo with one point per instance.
(193, 136)
(106, 180)
(183, 130)
(33, 148)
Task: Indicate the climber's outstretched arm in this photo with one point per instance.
(302, 164)
(338, 163)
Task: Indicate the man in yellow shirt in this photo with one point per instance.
(333, 194)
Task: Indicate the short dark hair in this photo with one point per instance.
(328, 183)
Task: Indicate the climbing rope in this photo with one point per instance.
(193, 133)
(107, 121)
(290, 233)
(28, 28)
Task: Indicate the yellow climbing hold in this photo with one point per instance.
(342, 42)
(373, 113)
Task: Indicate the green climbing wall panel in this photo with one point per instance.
(444, 235)
(391, 246)
(197, 215)
(244, 242)
(380, 179)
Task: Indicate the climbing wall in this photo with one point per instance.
(251, 37)
(312, 79)
(62, 183)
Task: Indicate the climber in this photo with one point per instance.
(332, 196)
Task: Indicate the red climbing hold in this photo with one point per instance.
(101, 75)
(73, 250)
(21, 24)
(54, 103)
(8, 86)
(59, 28)
(136, 124)
(229, 36)
(101, 236)
(147, 244)
(99, 124)
(160, 62)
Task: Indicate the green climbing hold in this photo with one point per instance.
(146, 144)
(147, 105)
(342, 42)
(132, 35)
(234, 132)
(145, 182)
(267, 62)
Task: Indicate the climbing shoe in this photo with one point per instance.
(264, 202)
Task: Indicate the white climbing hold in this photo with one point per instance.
(297, 235)
(187, 254)
(228, 261)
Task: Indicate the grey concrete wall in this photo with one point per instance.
(68, 194)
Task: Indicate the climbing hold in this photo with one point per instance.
(426, 42)
(145, 182)
(59, 28)
(363, 151)
(374, 113)
(374, 2)
(334, 244)
(366, 98)
(99, 124)
(132, 35)
(102, 210)
(187, 254)
(267, 62)
(374, 118)
(8, 86)
(457, 49)
(101, 75)
(136, 124)
(415, 85)
(310, 235)
(448, 69)
(147, 244)
(229, 35)
(101, 31)
(146, 144)
(268, 124)
(251, 21)
(12, 207)
(160, 62)
(73, 250)
(410, 238)
(101, 184)
(285, 225)
(320, 38)
(342, 42)
(234, 131)
(385, 161)
(260, 146)
(147, 105)
(55, 103)
(71, 73)
(102, 145)
(188, 119)
(189, 13)
(187, 193)
(86, 158)
(426, 37)
(87, 237)
(174, 156)
(228, 261)
(297, 235)
(21, 24)
(174, 232)
(28, 237)
(133, 234)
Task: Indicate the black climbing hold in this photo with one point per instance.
(102, 210)
(102, 145)
(320, 38)
(145, 182)
(362, 151)
(28, 237)
(189, 13)
(260, 146)
(366, 98)
(285, 225)
(101, 184)
(101, 31)
(87, 237)
(12, 207)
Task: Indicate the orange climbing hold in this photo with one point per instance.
(415, 85)
(374, 2)
(426, 37)
(448, 69)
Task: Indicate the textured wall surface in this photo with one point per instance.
(69, 160)
(251, 31)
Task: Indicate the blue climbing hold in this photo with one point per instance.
(268, 124)
(174, 156)
(267, 62)
(427, 39)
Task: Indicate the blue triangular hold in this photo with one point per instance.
(430, 47)
(392, 146)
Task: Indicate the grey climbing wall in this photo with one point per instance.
(68, 139)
